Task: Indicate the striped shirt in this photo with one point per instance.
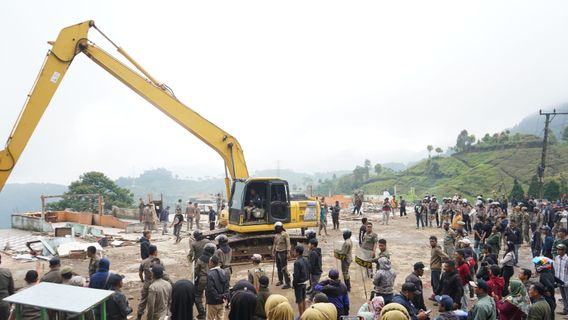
(561, 268)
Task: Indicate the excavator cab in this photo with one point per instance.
(259, 202)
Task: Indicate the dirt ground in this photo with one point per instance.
(406, 244)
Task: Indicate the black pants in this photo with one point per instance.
(211, 225)
(335, 219)
(437, 218)
(402, 210)
(508, 272)
(357, 209)
(282, 266)
(467, 222)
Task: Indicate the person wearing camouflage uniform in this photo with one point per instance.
(449, 240)
(526, 222)
(201, 272)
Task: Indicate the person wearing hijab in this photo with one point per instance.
(277, 307)
(243, 302)
(183, 299)
(320, 311)
(371, 310)
(514, 306)
(394, 311)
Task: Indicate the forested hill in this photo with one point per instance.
(489, 172)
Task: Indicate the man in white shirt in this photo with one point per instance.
(561, 272)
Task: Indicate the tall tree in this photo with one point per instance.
(439, 150)
(461, 141)
(429, 148)
(517, 192)
(367, 166)
(378, 168)
(552, 190)
(534, 187)
(94, 183)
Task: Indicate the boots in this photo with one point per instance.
(348, 284)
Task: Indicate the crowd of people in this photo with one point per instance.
(472, 270)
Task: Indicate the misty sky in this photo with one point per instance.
(315, 85)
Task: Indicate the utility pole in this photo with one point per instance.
(540, 169)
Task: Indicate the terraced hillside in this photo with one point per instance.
(471, 173)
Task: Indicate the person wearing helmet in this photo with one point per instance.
(196, 246)
(225, 254)
(256, 271)
(344, 254)
(201, 272)
(281, 251)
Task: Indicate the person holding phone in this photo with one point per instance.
(405, 299)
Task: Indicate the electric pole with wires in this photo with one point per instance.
(540, 169)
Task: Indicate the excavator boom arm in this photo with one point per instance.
(69, 43)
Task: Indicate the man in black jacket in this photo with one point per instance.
(314, 260)
(217, 292)
(301, 275)
(450, 283)
(145, 244)
(117, 304)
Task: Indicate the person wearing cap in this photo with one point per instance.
(561, 237)
(405, 299)
(117, 305)
(484, 308)
(336, 292)
(6, 289)
(159, 295)
(256, 272)
(281, 250)
(261, 296)
(561, 273)
(414, 278)
(445, 307)
(70, 278)
(540, 309)
(54, 274)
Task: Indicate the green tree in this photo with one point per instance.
(439, 150)
(429, 148)
(565, 134)
(367, 166)
(94, 183)
(534, 187)
(378, 168)
(517, 192)
(461, 141)
(552, 190)
(552, 137)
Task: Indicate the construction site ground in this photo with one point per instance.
(406, 244)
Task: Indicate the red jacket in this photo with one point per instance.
(463, 271)
(496, 285)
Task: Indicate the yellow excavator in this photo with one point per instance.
(254, 205)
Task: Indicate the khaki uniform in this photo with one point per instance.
(53, 276)
(254, 274)
(225, 262)
(6, 289)
(189, 214)
(145, 267)
(526, 220)
(148, 218)
(196, 249)
(449, 242)
(197, 217)
(280, 249)
(201, 271)
(93, 265)
(159, 297)
(346, 250)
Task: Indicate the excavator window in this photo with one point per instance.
(279, 208)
